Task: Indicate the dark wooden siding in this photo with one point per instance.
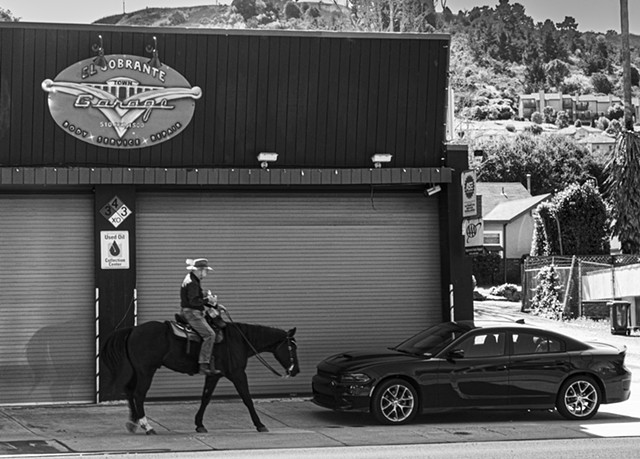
(317, 99)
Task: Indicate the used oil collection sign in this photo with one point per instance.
(114, 249)
(123, 102)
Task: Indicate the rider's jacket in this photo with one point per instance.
(191, 294)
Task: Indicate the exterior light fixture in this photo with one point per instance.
(155, 60)
(99, 60)
(380, 158)
(266, 157)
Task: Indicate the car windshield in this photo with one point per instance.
(433, 340)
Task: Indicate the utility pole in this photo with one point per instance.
(626, 64)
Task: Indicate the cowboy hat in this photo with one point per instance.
(198, 263)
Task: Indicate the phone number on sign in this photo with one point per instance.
(117, 124)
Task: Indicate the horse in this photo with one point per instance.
(133, 355)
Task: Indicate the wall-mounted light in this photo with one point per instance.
(99, 60)
(155, 60)
(267, 157)
(433, 189)
(380, 158)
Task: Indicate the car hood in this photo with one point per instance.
(358, 360)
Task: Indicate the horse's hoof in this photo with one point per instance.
(151, 432)
(201, 429)
(131, 427)
(262, 429)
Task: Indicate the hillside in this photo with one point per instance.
(496, 54)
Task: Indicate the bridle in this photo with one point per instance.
(289, 340)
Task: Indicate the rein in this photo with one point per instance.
(257, 354)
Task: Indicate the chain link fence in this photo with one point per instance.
(570, 271)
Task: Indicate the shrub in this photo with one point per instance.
(486, 266)
(247, 8)
(616, 112)
(601, 83)
(292, 11)
(510, 291)
(537, 117)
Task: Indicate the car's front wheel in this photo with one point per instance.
(395, 402)
(579, 398)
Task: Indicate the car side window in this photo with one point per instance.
(484, 345)
(535, 343)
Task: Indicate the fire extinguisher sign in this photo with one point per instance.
(114, 249)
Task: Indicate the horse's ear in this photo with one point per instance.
(291, 332)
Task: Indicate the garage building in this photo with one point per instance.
(124, 151)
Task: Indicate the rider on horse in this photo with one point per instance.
(193, 303)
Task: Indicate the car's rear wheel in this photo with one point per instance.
(395, 402)
(579, 398)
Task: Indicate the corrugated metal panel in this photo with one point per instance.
(318, 99)
(349, 270)
(47, 335)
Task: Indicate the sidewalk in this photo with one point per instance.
(99, 430)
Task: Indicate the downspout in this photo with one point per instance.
(504, 250)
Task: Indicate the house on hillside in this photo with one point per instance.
(507, 215)
(583, 107)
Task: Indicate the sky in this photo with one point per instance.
(596, 15)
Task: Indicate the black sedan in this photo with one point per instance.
(465, 364)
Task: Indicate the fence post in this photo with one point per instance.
(568, 286)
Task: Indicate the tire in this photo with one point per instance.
(395, 402)
(579, 398)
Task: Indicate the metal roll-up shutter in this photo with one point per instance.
(349, 270)
(47, 335)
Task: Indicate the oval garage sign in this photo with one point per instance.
(124, 102)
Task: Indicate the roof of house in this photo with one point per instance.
(508, 211)
(494, 193)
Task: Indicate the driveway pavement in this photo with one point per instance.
(81, 430)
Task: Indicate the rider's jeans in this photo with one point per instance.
(197, 321)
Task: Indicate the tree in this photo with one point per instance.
(557, 71)
(622, 190)
(575, 222)
(7, 16)
(562, 119)
(393, 15)
(601, 83)
(583, 219)
(549, 114)
(553, 162)
(597, 55)
(546, 238)
(546, 300)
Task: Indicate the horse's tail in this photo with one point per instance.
(115, 357)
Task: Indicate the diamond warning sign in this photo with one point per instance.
(115, 211)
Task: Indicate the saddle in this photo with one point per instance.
(181, 328)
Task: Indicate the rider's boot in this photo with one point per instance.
(212, 367)
(204, 369)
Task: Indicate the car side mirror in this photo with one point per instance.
(455, 354)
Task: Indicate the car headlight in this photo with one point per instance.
(354, 378)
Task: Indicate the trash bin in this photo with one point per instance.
(619, 317)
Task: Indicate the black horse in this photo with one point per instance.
(133, 355)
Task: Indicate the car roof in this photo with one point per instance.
(514, 326)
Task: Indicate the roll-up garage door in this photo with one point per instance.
(349, 270)
(47, 334)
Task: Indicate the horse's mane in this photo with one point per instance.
(259, 336)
